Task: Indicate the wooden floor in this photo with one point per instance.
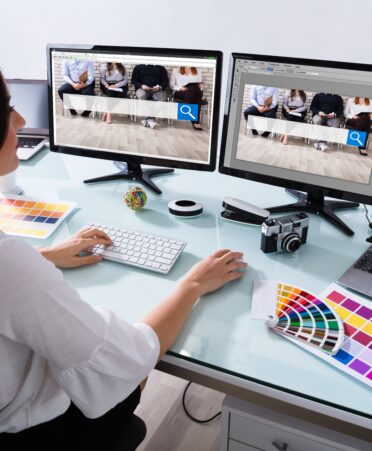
(345, 163)
(178, 140)
(168, 427)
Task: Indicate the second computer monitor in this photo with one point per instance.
(300, 124)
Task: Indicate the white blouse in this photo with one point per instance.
(178, 80)
(113, 76)
(56, 348)
(352, 109)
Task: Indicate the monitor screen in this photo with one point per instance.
(143, 105)
(30, 97)
(300, 124)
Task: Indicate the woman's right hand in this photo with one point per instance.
(215, 271)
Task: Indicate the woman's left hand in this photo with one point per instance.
(68, 253)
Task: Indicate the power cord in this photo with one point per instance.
(208, 420)
(369, 239)
(366, 210)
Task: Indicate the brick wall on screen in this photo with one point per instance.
(207, 75)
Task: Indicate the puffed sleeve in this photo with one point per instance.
(97, 358)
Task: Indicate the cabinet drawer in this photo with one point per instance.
(260, 435)
(237, 446)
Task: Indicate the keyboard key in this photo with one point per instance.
(168, 256)
(163, 260)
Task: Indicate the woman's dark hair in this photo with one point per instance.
(120, 67)
(4, 110)
(300, 93)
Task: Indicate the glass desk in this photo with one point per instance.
(219, 341)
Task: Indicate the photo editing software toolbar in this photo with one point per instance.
(301, 122)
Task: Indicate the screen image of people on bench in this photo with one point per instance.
(316, 132)
(132, 107)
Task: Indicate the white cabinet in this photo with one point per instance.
(247, 426)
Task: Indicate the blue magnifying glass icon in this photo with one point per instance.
(186, 109)
(354, 136)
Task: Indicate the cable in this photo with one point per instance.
(369, 239)
(189, 414)
(366, 210)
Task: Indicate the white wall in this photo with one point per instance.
(324, 29)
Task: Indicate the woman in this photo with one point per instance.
(114, 83)
(358, 113)
(69, 373)
(186, 84)
(294, 108)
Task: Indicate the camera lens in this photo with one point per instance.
(291, 243)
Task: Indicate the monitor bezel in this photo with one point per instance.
(278, 181)
(140, 159)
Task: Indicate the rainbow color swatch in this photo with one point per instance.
(303, 317)
(355, 354)
(27, 217)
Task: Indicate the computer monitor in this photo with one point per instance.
(136, 105)
(300, 124)
(31, 100)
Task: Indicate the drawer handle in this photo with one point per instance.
(280, 447)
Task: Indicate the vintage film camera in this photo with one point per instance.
(286, 233)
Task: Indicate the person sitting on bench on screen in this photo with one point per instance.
(294, 108)
(357, 113)
(150, 82)
(79, 79)
(186, 84)
(114, 83)
(264, 102)
(327, 109)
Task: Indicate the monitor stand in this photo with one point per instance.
(133, 171)
(314, 202)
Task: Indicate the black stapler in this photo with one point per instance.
(240, 211)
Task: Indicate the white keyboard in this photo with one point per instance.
(144, 250)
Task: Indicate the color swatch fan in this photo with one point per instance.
(303, 317)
